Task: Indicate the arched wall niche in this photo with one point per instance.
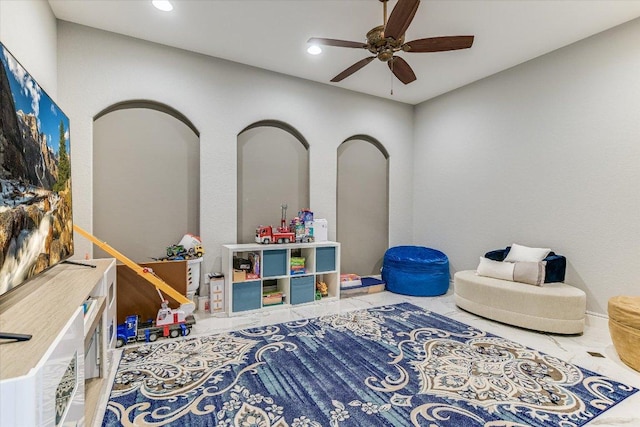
(273, 169)
(146, 178)
(362, 204)
(150, 105)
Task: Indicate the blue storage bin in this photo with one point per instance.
(302, 289)
(247, 296)
(274, 263)
(416, 271)
(326, 258)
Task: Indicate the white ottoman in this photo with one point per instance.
(553, 307)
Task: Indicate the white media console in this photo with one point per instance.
(56, 378)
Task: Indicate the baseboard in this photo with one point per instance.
(600, 315)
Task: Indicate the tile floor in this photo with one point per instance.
(573, 349)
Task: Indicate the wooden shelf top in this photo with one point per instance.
(41, 308)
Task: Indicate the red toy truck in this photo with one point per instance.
(266, 234)
(283, 234)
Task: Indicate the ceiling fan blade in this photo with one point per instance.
(355, 67)
(334, 42)
(401, 70)
(400, 18)
(438, 44)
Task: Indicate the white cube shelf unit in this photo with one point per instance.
(322, 263)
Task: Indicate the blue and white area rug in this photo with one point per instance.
(397, 365)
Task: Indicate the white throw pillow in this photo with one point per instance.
(531, 273)
(519, 253)
(495, 269)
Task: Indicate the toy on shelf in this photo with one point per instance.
(190, 247)
(300, 229)
(177, 252)
(282, 234)
(298, 265)
(322, 288)
(303, 226)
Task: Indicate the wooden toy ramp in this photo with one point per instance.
(186, 304)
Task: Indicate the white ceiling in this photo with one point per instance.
(273, 34)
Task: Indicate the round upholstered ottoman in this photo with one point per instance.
(624, 326)
(416, 271)
(554, 307)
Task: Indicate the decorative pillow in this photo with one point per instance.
(531, 273)
(495, 269)
(519, 253)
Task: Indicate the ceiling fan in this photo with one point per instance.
(385, 40)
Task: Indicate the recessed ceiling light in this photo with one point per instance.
(314, 49)
(164, 5)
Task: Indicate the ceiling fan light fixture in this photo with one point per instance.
(163, 5)
(384, 41)
(314, 49)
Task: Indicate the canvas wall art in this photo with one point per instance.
(36, 222)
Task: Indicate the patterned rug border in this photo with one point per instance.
(224, 379)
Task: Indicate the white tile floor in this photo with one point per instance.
(573, 349)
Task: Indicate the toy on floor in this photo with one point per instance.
(168, 323)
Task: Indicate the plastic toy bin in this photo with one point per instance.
(415, 271)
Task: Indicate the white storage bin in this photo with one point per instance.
(191, 295)
(320, 230)
(204, 289)
(193, 274)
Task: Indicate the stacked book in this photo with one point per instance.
(271, 295)
(272, 298)
(297, 265)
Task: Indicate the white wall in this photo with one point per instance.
(28, 30)
(544, 154)
(97, 69)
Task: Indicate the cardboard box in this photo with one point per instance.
(239, 275)
(203, 304)
(216, 294)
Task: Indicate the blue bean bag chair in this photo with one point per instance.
(415, 271)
